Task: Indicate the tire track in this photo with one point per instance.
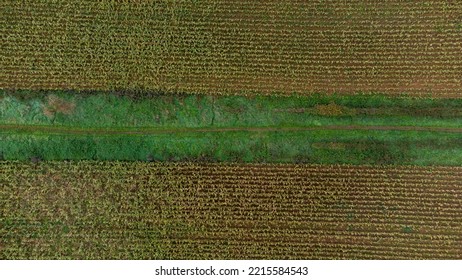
(11, 128)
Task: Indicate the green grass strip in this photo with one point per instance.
(317, 129)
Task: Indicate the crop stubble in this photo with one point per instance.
(167, 210)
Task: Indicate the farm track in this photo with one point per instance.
(244, 211)
(8, 128)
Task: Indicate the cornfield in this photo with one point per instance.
(110, 210)
(234, 47)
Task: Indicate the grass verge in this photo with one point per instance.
(318, 129)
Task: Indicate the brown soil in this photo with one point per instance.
(56, 104)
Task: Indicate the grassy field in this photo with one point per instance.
(157, 110)
(359, 129)
(238, 47)
(114, 210)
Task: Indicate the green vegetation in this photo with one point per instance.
(330, 146)
(359, 129)
(98, 109)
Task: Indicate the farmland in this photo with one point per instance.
(213, 129)
(234, 47)
(108, 210)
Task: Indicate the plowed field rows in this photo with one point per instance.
(411, 47)
(151, 210)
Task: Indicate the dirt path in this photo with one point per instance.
(10, 128)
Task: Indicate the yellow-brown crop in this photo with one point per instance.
(234, 46)
(258, 211)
